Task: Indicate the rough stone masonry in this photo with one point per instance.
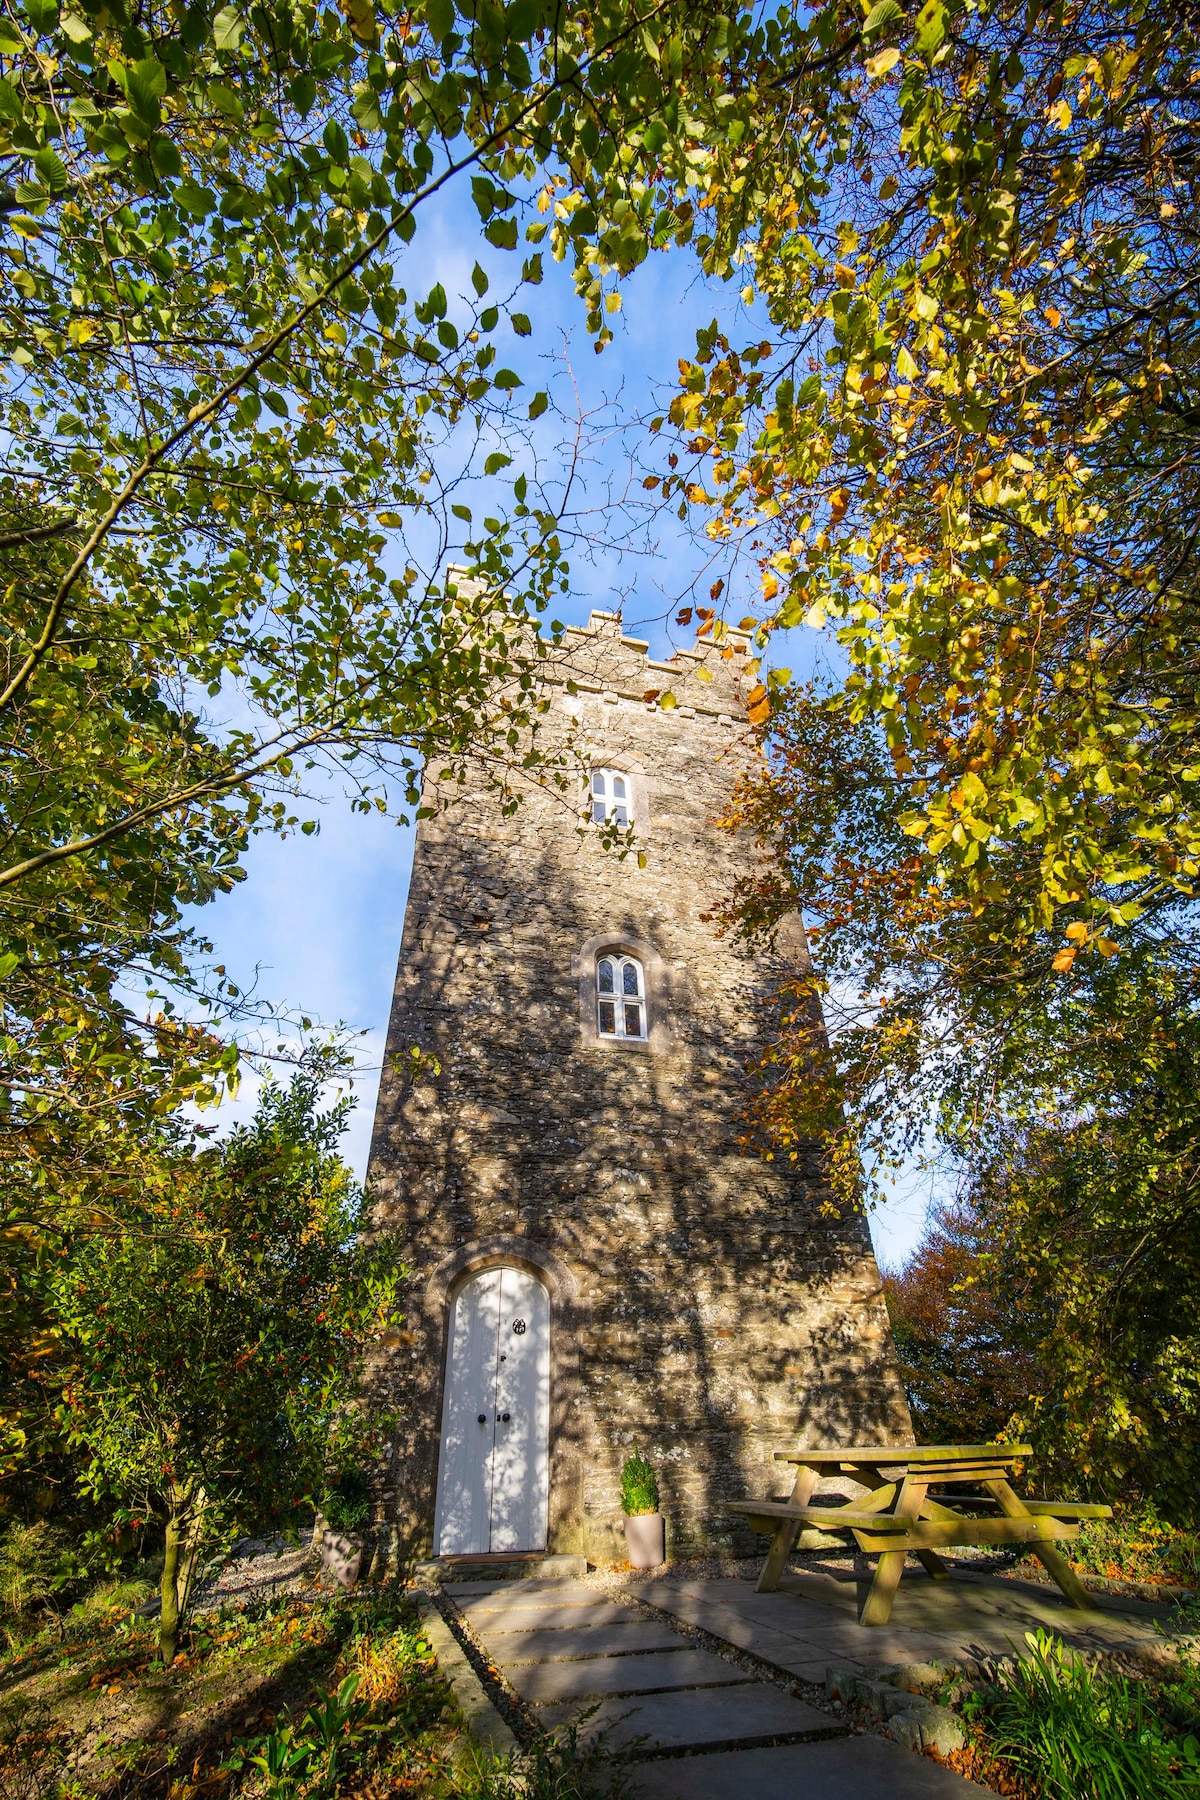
(703, 1307)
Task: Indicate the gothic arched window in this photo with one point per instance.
(611, 795)
(620, 996)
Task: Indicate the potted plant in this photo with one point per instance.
(343, 1514)
(645, 1527)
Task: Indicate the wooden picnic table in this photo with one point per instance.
(898, 1515)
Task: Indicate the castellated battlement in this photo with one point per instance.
(596, 1263)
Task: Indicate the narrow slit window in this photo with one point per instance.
(610, 798)
(620, 997)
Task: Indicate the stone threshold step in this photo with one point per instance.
(533, 1566)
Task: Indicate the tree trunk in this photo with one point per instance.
(168, 1618)
(185, 1522)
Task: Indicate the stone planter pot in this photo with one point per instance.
(341, 1558)
(645, 1534)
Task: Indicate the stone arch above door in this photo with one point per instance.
(469, 1259)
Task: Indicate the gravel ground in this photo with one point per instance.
(258, 1566)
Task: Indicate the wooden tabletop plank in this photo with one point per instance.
(872, 1454)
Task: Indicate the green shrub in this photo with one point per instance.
(639, 1485)
(345, 1507)
(1138, 1547)
(30, 1555)
(1075, 1733)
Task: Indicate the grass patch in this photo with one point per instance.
(292, 1697)
(1068, 1731)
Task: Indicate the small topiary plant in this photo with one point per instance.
(639, 1486)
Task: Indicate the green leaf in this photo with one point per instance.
(930, 27)
(439, 16)
(479, 280)
(195, 200)
(495, 462)
(75, 28)
(520, 324)
(521, 20)
(302, 93)
(502, 233)
(225, 100)
(165, 157)
(884, 12)
(538, 405)
(8, 962)
(42, 16)
(52, 169)
(462, 512)
(336, 143)
(228, 27)
(505, 379)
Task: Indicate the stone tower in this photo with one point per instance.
(595, 1265)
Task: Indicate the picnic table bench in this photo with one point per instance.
(898, 1514)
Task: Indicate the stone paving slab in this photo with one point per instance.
(512, 1647)
(851, 1768)
(815, 1616)
(552, 1591)
(498, 1622)
(707, 1716)
(540, 1683)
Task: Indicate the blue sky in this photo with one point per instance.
(319, 918)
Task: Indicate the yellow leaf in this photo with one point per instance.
(879, 65)
(1054, 316)
(839, 500)
(1077, 931)
(1062, 962)
(906, 368)
(770, 585)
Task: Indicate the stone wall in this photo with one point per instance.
(704, 1308)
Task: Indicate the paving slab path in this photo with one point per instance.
(701, 1726)
(811, 1623)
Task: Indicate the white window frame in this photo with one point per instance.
(605, 803)
(616, 1002)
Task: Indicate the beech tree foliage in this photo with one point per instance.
(244, 436)
(965, 447)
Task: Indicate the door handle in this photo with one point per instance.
(505, 1417)
(483, 1418)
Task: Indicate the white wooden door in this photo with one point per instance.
(494, 1467)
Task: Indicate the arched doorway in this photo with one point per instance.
(494, 1469)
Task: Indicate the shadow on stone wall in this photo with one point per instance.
(720, 1315)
